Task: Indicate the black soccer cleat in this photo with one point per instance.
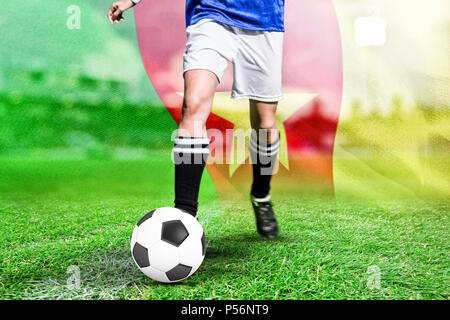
(266, 223)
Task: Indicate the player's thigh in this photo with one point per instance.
(199, 88)
(206, 57)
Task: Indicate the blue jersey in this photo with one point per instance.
(264, 15)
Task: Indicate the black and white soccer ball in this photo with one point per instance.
(168, 244)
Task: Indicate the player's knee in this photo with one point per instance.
(266, 131)
(267, 124)
(196, 108)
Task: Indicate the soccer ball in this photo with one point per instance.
(168, 245)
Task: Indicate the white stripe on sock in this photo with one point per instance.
(185, 141)
(272, 150)
(263, 153)
(192, 151)
(265, 199)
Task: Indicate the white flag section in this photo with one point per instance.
(395, 97)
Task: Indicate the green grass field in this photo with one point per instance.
(57, 214)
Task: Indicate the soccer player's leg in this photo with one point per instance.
(264, 145)
(192, 144)
(208, 48)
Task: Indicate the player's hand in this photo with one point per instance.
(117, 9)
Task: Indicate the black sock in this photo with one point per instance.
(263, 156)
(189, 155)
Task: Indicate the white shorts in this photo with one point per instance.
(256, 56)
